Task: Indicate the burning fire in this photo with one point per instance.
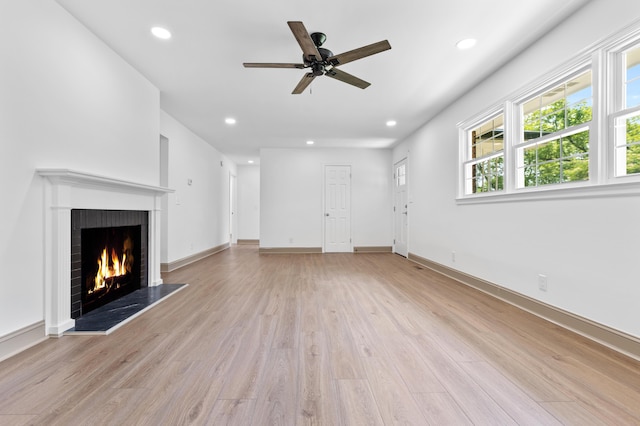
(112, 265)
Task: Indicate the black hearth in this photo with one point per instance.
(108, 256)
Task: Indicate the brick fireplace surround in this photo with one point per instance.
(68, 189)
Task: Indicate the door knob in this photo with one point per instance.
(326, 214)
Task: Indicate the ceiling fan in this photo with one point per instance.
(322, 61)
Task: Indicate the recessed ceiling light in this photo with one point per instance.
(391, 123)
(467, 43)
(250, 161)
(230, 120)
(160, 32)
(310, 142)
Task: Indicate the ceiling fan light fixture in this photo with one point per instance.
(161, 33)
(467, 43)
(321, 61)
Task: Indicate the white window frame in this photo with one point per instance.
(519, 144)
(604, 59)
(465, 153)
(616, 104)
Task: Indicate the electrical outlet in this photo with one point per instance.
(542, 282)
(453, 256)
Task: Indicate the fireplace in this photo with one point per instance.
(70, 191)
(108, 256)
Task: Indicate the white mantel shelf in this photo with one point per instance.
(74, 177)
(67, 189)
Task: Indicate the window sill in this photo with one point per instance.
(618, 189)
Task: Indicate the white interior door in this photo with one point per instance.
(233, 218)
(337, 202)
(400, 209)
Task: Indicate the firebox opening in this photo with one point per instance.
(110, 264)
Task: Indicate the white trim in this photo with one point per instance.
(557, 192)
(22, 339)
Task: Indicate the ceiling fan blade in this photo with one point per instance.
(347, 78)
(304, 83)
(359, 53)
(307, 45)
(272, 65)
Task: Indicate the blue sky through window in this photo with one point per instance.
(633, 86)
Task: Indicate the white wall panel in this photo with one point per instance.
(198, 210)
(291, 196)
(248, 202)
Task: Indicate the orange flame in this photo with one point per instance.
(109, 269)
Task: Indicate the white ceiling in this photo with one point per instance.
(201, 78)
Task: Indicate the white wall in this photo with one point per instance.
(587, 247)
(291, 194)
(67, 101)
(198, 213)
(248, 202)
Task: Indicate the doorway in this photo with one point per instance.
(337, 209)
(233, 219)
(400, 208)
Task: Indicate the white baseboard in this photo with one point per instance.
(20, 340)
(176, 264)
(289, 250)
(373, 249)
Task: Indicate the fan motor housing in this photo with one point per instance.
(324, 54)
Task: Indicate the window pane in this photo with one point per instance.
(530, 175)
(487, 138)
(560, 160)
(485, 176)
(575, 169)
(553, 122)
(563, 106)
(401, 175)
(633, 159)
(530, 155)
(549, 173)
(549, 151)
(633, 129)
(575, 144)
(580, 95)
(632, 81)
(579, 112)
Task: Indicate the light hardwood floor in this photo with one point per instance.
(335, 339)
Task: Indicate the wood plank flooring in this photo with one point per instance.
(334, 339)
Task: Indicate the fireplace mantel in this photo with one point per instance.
(67, 189)
(73, 177)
